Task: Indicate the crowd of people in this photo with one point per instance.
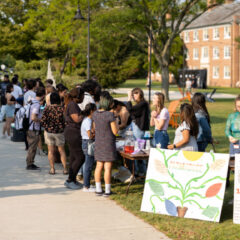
(88, 120)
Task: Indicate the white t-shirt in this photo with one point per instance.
(87, 99)
(28, 96)
(188, 84)
(17, 91)
(86, 126)
(164, 114)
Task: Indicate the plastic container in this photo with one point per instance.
(129, 142)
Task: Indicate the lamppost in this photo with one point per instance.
(150, 69)
(79, 16)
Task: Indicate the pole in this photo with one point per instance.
(150, 70)
(88, 44)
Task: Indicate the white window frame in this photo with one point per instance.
(216, 52)
(203, 53)
(196, 53)
(227, 74)
(205, 34)
(227, 52)
(215, 76)
(195, 36)
(186, 36)
(216, 30)
(227, 32)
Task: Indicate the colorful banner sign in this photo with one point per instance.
(236, 204)
(185, 184)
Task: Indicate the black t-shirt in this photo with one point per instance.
(72, 108)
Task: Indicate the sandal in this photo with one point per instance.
(65, 172)
(52, 172)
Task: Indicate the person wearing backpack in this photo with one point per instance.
(34, 131)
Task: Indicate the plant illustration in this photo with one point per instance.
(187, 193)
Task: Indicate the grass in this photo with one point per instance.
(132, 83)
(179, 228)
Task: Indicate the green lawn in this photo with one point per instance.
(132, 83)
(179, 228)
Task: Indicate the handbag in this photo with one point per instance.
(91, 147)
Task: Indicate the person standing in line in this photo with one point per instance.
(203, 118)
(160, 119)
(54, 124)
(34, 131)
(189, 86)
(87, 136)
(62, 91)
(9, 110)
(30, 94)
(73, 118)
(3, 86)
(17, 92)
(105, 126)
(140, 121)
(232, 131)
(186, 134)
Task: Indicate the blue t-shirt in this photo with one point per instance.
(86, 126)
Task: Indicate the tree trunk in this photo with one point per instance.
(66, 59)
(165, 81)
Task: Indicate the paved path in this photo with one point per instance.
(36, 206)
(173, 95)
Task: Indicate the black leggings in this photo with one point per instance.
(77, 158)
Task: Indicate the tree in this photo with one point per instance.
(162, 21)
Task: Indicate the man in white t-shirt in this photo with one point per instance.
(188, 85)
(30, 94)
(17, 92)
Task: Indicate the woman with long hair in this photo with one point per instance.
(140, 121)
(203, 118)
(10, 110)
(186, 134)
(160, 119)
(73, 119)
(106, 129)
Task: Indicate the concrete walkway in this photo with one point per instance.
(36, 206)
(173, 95)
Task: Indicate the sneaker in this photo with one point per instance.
(90, 189)
(66, 183)
(99, 193)
(42, 152)
(107, 194)
(32, 167)
(73, 186)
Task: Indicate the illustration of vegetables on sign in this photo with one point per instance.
(185, 184)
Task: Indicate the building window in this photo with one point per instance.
(227, 73)
(215, 53)
(227, 52)
(195, 53)
(205, 52)
(187, 53)
(216, 33)
(216, 72)
(205, 34)
(195, 36)
(227, 32)
(186, 37)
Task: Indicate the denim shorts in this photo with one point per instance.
(234, 148)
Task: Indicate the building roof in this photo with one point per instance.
(220, 15)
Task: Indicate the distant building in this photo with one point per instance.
(210, 42)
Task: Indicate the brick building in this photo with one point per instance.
(211, 44)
